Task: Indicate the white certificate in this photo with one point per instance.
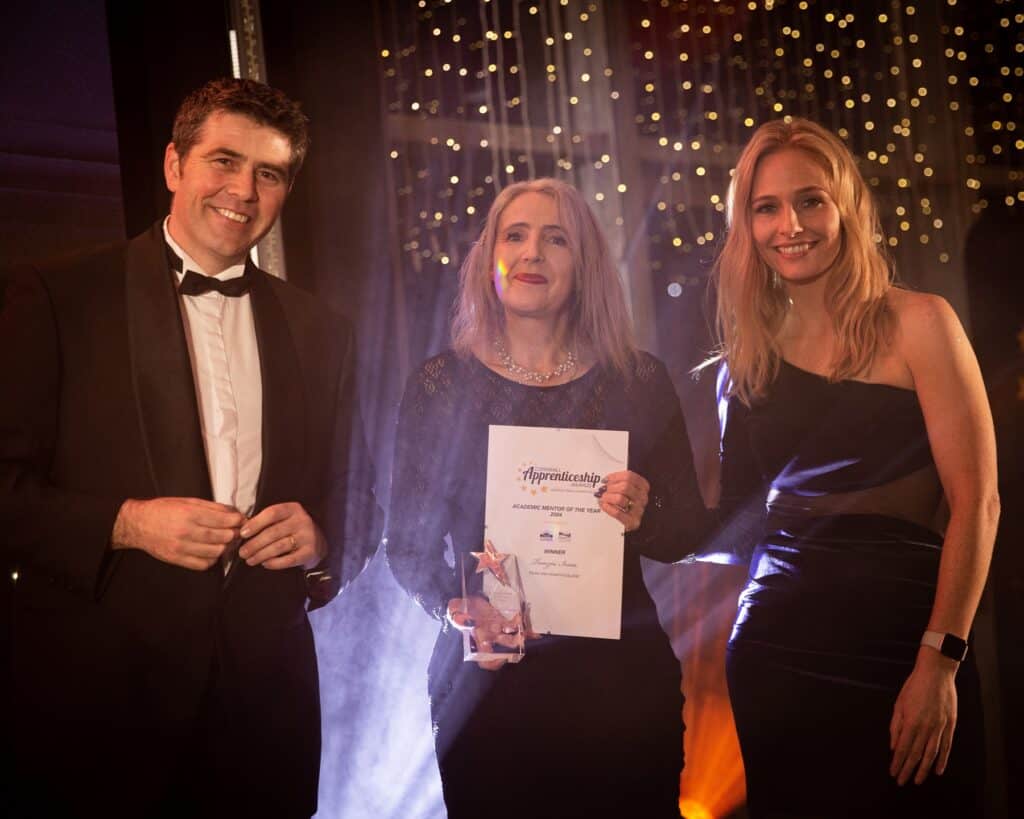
(541, 508)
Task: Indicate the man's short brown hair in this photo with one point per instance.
(256, 100)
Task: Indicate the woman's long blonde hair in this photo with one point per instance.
(599, 321)
(751, 306)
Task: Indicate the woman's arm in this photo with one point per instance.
(743, 489)
(675, 522)
(419, 514)
(949, 386)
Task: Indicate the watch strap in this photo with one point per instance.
(321, 587)
(949, 645)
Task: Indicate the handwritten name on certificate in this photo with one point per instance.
(541, 508)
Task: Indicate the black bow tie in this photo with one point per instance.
(195, 284)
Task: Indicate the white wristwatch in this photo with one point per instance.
(949, 645)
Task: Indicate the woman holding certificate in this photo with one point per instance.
(583, 725)
(855, 407)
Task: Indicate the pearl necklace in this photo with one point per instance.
(532, 376)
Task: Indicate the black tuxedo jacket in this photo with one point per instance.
(118, 657)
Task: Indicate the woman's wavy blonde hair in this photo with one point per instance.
(599, 321)
(750, 305)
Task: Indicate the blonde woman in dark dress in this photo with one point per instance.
(856, 411)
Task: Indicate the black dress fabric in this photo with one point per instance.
(840, 591)
(580, 727)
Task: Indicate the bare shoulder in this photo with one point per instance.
(926, 325)
(914, 309)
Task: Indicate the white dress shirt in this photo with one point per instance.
(221, 336)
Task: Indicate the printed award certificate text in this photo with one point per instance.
(541, 508)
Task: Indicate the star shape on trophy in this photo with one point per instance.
(491, 559)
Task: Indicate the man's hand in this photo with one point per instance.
(281, 537)
(187, 532)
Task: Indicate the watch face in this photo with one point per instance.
(954, 648)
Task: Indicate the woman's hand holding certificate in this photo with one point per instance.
(623, 495)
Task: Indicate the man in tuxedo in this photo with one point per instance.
(182, 473)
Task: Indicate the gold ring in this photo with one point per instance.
(294, 543)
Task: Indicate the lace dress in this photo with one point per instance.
(842, 581)
(581, 727)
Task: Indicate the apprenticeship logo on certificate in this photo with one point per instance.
(541, 508)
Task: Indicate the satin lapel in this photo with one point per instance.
(284, 399)
(162, 372)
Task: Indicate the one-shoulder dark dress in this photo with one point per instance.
(581, 727)
(842, 581)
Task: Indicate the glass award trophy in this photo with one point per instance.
(493, 607)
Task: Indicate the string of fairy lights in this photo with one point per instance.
(644, 104)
